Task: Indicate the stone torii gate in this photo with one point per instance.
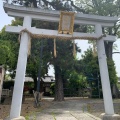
(53, 16)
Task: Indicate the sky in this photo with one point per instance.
(83, 44)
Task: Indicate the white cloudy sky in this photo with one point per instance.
(5, 20)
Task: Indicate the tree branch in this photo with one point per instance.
(77, 8)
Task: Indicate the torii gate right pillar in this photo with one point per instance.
(108, 102)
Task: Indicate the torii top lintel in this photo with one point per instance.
(53, 16)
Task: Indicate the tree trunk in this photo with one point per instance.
(108, 49)
(34, 2)
(108, 45)
(59, 94)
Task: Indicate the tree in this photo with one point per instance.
(63, 48)
(103, 8)
(62, 63)
(8, 51)
(89, 66)
(77, 82)
(34, 61)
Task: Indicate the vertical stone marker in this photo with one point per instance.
(20, 73)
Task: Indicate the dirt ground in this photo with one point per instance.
(27, 107)
(93, 106)
(97, 107)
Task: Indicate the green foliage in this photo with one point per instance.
(9, 47)
(29, 84)
(90, 67)
(103, 8)
(8, 53)
(9, 50)
(34, 59)
(118, 85)
(52, 89)
(77, 80)
(64, 57)
(112, 72)
(3, 53)
(17, 21)
(8, 36)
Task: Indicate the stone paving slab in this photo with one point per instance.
(81, 116)
(44, 118)
(65, 118)
(66, 110)
(84, 116)
(70, 116)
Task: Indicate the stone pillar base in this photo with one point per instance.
(19, 118)
(110, 117)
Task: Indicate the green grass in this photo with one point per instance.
(53, 116)
(28, 117)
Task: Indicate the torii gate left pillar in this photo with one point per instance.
(20, 73)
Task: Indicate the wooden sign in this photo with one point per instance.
(66, 23)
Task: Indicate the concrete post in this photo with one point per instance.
(108, 103)
(20, 73)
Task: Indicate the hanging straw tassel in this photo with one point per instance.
(74, 49)
(55, 48)
(94, 48)
(19, 37)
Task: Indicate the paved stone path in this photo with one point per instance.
(66, 110)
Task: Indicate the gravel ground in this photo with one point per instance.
(97, 107)
(92, 106)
